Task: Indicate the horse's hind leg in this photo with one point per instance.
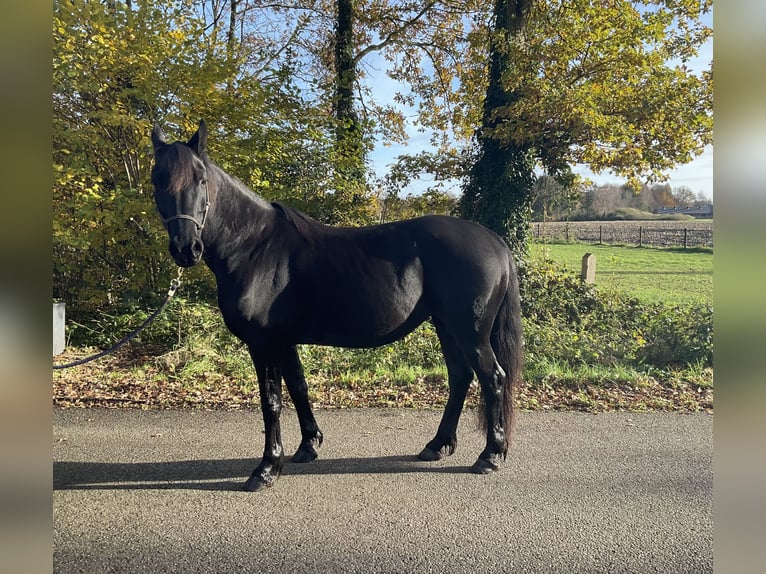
(460, 375)
(311, 436)
(491, 376)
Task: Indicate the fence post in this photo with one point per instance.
(640, 236)
(684, 238)
(600, 228)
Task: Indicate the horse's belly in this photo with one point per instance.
(360, 331)
(366, 315)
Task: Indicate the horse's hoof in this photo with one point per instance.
(430, 455)
(304, 454)
(259, 481)
(484, 466)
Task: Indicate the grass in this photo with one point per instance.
(673, 276)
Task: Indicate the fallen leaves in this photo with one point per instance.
(135, 380)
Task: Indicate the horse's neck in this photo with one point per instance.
(239, 220)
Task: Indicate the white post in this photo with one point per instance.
(588, 273)
(59, 337)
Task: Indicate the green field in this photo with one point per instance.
(650, 274)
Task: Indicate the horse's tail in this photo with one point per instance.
(507, 344)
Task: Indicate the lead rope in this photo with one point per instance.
(174, 285)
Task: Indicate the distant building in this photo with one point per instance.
(700, 211)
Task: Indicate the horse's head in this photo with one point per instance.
(181, 192)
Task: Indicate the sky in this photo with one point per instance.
(696, 175)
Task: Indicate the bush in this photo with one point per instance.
(569, 321)
(182, 323)
(566, 322)
(679, 336)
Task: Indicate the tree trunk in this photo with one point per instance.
(345, 70)
(350, 183)
(498, 193)
(231, 37)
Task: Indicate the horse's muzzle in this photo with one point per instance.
(189, 254)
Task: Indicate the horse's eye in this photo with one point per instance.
(203, 181)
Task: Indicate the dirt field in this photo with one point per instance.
(655, 233)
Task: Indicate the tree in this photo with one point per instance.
(553, 201)
(661, 196)
(350, 193)
(684, 196)
(568, 82)
(601, 201)
(117, 68)
(593, 94)
(107, 58)
(411, 36)
(331, 39)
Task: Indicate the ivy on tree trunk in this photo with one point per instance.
(499, 190)
(350, 197)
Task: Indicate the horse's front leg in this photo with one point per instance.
(311, 436)
(270, 387)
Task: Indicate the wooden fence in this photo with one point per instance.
(650, 233)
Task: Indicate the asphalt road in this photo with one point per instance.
(157, 491)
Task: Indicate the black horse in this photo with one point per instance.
(285, 279)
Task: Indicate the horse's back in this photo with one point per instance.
(459, 238)
(445, 253)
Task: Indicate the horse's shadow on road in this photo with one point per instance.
(225, 474)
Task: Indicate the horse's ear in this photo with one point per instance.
(158, 137)
(198, 142)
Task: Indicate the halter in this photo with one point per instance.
(200, 224)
